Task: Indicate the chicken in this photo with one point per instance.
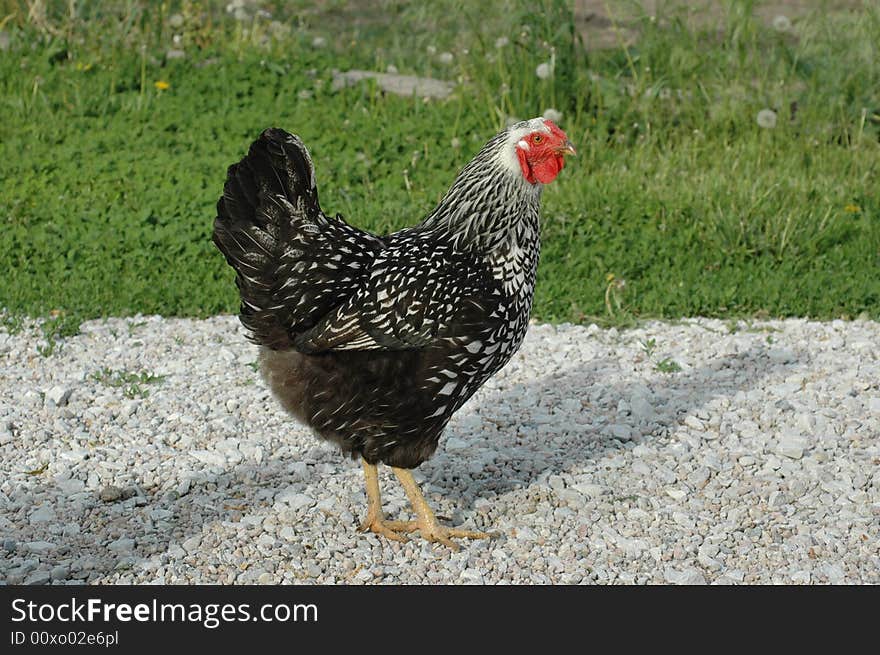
(375, 341)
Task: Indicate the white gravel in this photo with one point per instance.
(757, 461)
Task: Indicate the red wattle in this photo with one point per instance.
(525, 166)
(546, 170)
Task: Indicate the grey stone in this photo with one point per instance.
(572, 497)
(835, 573)
(792, 446)
(694, 422)
(209, 457)
(781, 356)
(454, 443)
(40, 547)
(472, 576)
(110, 494)
(299, 471)
(641, 409)
(58, 396)
(43, 514)
(801, 577)
(71, 486)
(687, 576)
(589, 490)
(121, 546)
(295, 500)
(38, 578)
(402, 85)
(675, 493)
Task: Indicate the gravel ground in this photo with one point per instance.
(757, 461)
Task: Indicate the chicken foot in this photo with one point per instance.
(426, 523)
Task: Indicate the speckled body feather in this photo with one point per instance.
(376, 341)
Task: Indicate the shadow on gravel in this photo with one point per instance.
(588, 433)
(127, 532)
(122, 535)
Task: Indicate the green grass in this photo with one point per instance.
(678, 204)
(667, 365)
(132, 384)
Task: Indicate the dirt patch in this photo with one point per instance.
(609, 24)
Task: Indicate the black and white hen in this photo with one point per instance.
(375, 341)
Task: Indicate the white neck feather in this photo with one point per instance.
(506, 156)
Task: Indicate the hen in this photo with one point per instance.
(375, 341)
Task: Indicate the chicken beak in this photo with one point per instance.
(567, 148)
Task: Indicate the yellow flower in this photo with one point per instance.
(161, 85)
(852, 209)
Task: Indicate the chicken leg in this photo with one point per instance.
(426, 523)
(375, 519)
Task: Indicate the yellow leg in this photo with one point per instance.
(426, 522)
(375, 520)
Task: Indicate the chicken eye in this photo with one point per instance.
(537, 138)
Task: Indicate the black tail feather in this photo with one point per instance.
(271, 230)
